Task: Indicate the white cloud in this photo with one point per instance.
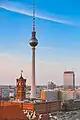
(17, 7)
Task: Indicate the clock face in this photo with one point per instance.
(22, 83)
(19, 83)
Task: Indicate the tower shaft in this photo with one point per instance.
(33, 43)
(33, 86)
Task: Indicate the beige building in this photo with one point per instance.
(67, 94)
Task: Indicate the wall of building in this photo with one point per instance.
(5, 92)
(77, 94)
(38, 90)
(28, 94)
(49, 95)
(40, 107)
(69, 80)
(48, 107)
(44, 107)
(28, 106)
(66, 95)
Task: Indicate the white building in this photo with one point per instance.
(28, 94)
(77, 94)
(69, 80)
(38, 90)
(67, 94)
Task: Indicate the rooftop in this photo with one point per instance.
(12, 112)
(68, 72)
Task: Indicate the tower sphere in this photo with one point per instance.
(33, 41)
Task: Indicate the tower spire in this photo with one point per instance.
(21, 72)
(33, 29)
(33, 21)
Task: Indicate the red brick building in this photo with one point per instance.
(21, 88)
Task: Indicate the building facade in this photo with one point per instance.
(40, 108)
(66, 95)
(69, 80)
(4, 91)
(49, 95)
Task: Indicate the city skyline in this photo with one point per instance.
(58, 31)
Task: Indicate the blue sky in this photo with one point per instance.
(58, 32)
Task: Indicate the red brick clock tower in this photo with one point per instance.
(21, 88)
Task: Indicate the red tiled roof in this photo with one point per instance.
(1, 107)
(12, 113)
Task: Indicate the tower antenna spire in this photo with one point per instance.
(33, 22)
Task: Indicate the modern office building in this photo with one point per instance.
(69, 80)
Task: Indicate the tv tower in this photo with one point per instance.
(33, 43)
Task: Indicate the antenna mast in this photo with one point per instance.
(33, 22)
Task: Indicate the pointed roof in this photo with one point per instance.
(21, 77)
(12, 112)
